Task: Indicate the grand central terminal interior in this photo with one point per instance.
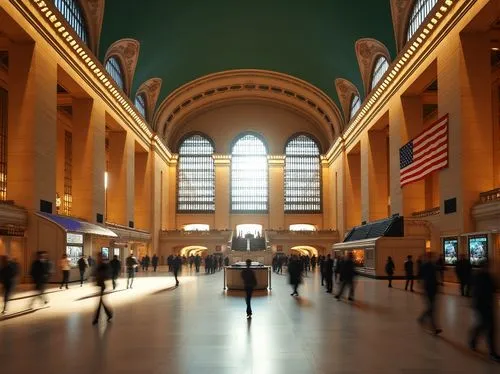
(277, 131)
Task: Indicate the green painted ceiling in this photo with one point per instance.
(309, 39)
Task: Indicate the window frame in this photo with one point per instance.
(352, 104)
(115, 62)
(177, 194)
(418, 8)
(320, 172)
(73, 13)
(233, 144)
(141, 96)
(376, 69)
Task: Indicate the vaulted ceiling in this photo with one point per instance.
(183, 40)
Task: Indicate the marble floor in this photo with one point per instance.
(197, 328)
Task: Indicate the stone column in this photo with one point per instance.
(89, 159)
(276, 199)
(171, 194)
(143, 191)
(32, 127)
(121, 182)
(326, 195)
(374, 181)
(352, 192)
(464, 94)
(222, 191)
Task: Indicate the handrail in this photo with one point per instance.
(427, 213)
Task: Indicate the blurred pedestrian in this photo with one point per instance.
(116, 267)
(8, 273)
(328, 272)
(65, 266)
(176, 265)
(347, 274)
(131, 263)
(40, 273)
(101, 275)
(463, 270)
(409, 273)
(154, 262)
(295, 273)
(250, 282)
(428, 273)
(82, 266)
(484, 304)
(389, 269)
(440, 269)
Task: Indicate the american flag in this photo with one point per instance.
(426, 153)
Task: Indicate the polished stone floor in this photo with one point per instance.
(197, 328)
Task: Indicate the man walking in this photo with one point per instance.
(463, 270)
(40, 271)
(65, 265)
(328, 271)
(101, 275)
(428, 273)
(409, 273)
(8, 273)
(131, 263)
(154, 262)
(295, 273)
(389, 269)
(249, 281)
(176, 265)
(82, 266)
(116, 267)
(347, 273)
(484, 303)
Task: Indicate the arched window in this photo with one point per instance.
(196, 176)
(72, 12)
(381, 66)
(114, 69)
(421, 10)
(302, 176)
(355, 105)
(140, 104)
(249, 175)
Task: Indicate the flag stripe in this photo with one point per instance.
(426, 153)
(425, 156)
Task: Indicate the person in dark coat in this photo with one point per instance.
(82, 267)
(250, 282)
(40, 273)
(8, 273)
(314, 261)
(176, 265)
(154, 262)
(484, 304)
(409, 273)
(328, 272)
(428, 274)
(389, 270)
(116, 267)
(440, 267)
(463, 270)
(295, 273)
(90, 261)
(101, 275)
(197, 263)
(347, 274)
(338, 265)
(321, 264)
(131, 263)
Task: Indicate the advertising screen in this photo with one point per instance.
(105, 253)
(450, 249)
(478, 249)
(74, 253)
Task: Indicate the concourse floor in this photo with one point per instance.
(198, 328)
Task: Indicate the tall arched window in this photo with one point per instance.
(421, 10)
(196, 176)
(302, 176)
(140, 104)
(114, 69)
(381, 66)
(355, 105)
(249, 175)
(73, 13)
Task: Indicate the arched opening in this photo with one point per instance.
(196, 227)
(193, 250)
(249, 229)
(302, 227)
(304, 250)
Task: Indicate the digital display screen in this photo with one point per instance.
(105, 253)
(74, 253)
(72, 238)
(478, 249)
(450, 249)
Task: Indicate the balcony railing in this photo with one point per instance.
(487, 196)
(427, 213)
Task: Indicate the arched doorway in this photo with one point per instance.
(304, 250)
(193, 250)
